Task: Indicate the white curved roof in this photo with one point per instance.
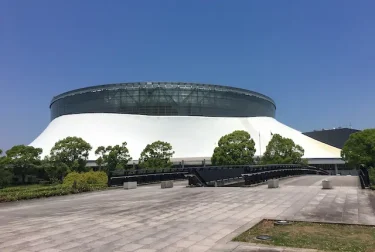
(190, 136)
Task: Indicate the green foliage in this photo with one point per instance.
(304, 162)
(360, 148)
(5, 177)
(118, 157)
(371, 174)
(113, 157)
(23, 160)
(26, 192)
(156, 156)
(73, 176)
(96, 178)
(236, 148)
(102, 152)
(54, 169)
(72, 151)
(282, 150)
(86, 178)
(39, 191)
(5, 173)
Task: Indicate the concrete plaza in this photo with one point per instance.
(178, 219)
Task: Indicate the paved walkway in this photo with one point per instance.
(151, 219)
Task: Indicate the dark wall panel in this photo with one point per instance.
(334, 137)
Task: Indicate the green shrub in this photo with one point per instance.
(5, 177)
(30, 192)
(89, 181)
(97, 178)
(86, 178)
(39, 191)
(13, 189)
(371, 174)
(73, 176)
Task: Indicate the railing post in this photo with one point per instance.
(336, 170)
(109, 179)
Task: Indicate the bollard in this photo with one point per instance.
(166, 184)
(273, 183)
(130, 185)
(327, 184)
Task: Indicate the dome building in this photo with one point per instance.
(190, 116)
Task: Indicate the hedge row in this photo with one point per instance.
(73, 183)
(23, 188)
(32, 192)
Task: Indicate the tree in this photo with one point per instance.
(5, 173)
(113, 157)
(23, 159)
(156, 156)
(72, 151)
(54, 169)
(236, 148)
(360, 148)
(118, 157)
(102, 152)
(281, 150)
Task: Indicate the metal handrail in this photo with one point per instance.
(203, 176)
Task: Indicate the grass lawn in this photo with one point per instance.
(326, 237)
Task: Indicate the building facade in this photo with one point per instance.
(164, 99)
(334, 137)
(191, 117)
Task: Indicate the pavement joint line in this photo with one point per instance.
(111, 219)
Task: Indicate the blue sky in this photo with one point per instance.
(314, 58)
